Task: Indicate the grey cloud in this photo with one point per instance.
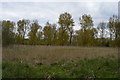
(50, 11)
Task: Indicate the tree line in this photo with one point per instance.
(32, 33)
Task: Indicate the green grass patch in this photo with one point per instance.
(88, 68)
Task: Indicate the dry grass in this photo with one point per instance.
(51, 54)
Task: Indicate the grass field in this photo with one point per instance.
(25, 61)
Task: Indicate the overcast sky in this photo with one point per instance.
(50, 11)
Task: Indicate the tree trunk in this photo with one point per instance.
(70, 42)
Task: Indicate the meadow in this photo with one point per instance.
(28, 61)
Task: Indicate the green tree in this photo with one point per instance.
(111, 28)
(49, 32)
(79, 37)
(118, 34)
(23, 29)
(54, 33)
(114, 29)
(66, 23)
(39, 36)
(86, 22)
(101, 28)
(86, 35)
(62, 36)
(35, 33)
(7, 32)
(90, 35)
(0, 33)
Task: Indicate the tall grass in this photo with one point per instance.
(50, 54)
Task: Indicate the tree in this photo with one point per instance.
(39, 36)
(54, 33)
(7, 33)
(114, 28)
(111, 26)
(118, 34)
(86, 22)
(90, 35)
(62, 36)
(86, 34)
(23, 29)
(79, 37)
(66, 23)
(49, 32)
(34, 34)
(0, 33)
(101, 28)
